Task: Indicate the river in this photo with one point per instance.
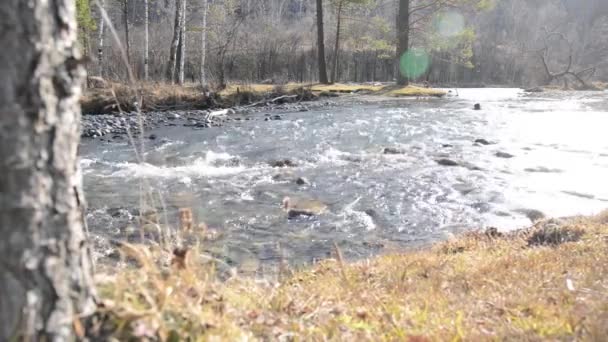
(556, 144)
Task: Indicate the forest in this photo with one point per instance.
(463, 42)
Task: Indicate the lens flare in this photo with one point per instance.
(449, 24)
(414, 63)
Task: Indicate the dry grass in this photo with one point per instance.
(481, 286)
(165, 96)
(153, 96)
(416, 91)
(345, 88)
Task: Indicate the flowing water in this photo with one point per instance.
(376, 201)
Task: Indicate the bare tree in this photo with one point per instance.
(403, 37)
(334, 70)
(204, 43)
(125, 17)
(146, 39)
(100, 39)
(321, 44)
(567, 71)
(182, 43)
(46, 272)
(175, 42)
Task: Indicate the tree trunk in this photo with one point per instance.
(100, 40)
(321, 44)
(46, 272)
(182, 43)
(125, 14)
(204, 43)
(146, 40)
(403, 38)
(175, 43)
(334, 71)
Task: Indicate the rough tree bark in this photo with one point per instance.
(146, 40)
(45, 272)
(125, 16)
(403, 38)
(204, 44)
(182, 43)
(100, 40)
(321, 44)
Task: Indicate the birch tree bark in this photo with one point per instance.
(146, 40)
(45, 270)
(182, 43)
(204, 44)
(173, 53)
(100, 40)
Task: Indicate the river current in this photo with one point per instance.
(547, 152)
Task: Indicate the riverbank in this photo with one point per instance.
(112, 110)
(108, 98)
(545, 282)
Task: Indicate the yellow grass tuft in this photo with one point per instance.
(345, 88)
(412, 90)
(480, 286)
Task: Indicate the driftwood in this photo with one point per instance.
(579, 76)
(271, 101)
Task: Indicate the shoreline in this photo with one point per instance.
(543, 282)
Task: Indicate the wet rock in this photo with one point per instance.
(393, 150)
(447, 145)
(484, 142)
(542, 169)
(152, 137)
(553, 233)
(505, 155)
(302, 181)
(532, 214)
(482, 207)
(371, 213)
(282, 163)
(493, 232)
(477, 106)
(534, 90)
(447, 162)
(299, 207)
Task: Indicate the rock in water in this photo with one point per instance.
(302, 181)
(447, 162)
(532, 214)
(298, 207)
(504, 155)
(282, 163)
(535, 90)
(477, 106)
(392, 150)
(483, 142)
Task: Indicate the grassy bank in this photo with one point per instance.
(547, 282)
(114, 97)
